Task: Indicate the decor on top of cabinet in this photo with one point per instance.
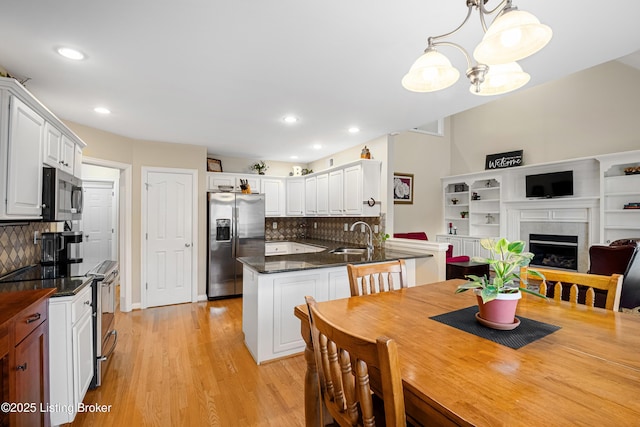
(259, 167)
(214, 165)
(365, 153)
(402, 188)
(306, 171)
(498, 296)
(633, 170)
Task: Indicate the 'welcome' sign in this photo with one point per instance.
(503, 160)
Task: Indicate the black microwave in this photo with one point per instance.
(61, 196)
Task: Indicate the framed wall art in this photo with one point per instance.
(402, 188)
(214, 165)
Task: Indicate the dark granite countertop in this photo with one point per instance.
(65, 286)
(324, 259)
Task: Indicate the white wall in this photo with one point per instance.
(591, 112)
(427, 157)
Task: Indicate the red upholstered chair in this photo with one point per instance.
(451, 258)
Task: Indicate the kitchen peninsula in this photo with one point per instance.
(274, 285)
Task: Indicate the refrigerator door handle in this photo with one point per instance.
(234, 233)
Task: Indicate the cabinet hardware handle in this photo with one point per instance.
(187, 245)
(22, 367)
(87, 302)
(33, 318)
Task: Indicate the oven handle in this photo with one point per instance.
(113, 346)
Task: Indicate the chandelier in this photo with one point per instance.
(513, 35)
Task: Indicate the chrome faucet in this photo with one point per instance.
(369, 236)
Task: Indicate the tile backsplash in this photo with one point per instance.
(17, 248)
(288, 228)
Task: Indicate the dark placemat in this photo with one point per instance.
(528, 331)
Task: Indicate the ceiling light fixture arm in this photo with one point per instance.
(502, 6)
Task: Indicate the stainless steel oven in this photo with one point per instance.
(105, 278)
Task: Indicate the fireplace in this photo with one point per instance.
(554, 251)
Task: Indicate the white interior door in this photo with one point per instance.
(169, 230)
(98, 223)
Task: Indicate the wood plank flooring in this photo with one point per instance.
(187, 365)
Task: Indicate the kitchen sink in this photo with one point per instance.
(342, 251)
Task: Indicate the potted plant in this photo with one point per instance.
(260, 167)
(464, 214)
(498, 296)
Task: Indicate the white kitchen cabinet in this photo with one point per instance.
(353, 190)
(59, 151)
(68, 151)
(274, 196)
(222, 178)
(362, 188)
(77, 162)
(52, 144)
(310, 196)
(322, 194)
(465, 245)
(285, 248)
(336, 192)
(24, 169)
(270, 327)
(289, 291)
(30, 136)
(295, 196)
(71, 353)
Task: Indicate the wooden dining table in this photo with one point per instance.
(586, 373)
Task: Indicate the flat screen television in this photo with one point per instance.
(547, 185)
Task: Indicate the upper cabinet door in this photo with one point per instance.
(67, 150)
(353, 190)
(24, 178)
(322, 194)
(336, 192)
(52, 144)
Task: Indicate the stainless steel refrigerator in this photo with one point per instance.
(236, 229)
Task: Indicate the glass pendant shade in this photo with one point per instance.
(514, 35)
(502, 78)
(431, 72)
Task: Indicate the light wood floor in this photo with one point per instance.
(187, 365)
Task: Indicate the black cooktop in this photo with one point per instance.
(40, 277)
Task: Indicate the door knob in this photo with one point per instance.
(187, 245)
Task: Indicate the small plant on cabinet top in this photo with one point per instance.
(259, 167)
(506, 258)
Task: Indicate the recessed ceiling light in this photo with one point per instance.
(294, 157)
(354, 129)
(317, 146)
(102, 110)
(290, 119)
(69, 53)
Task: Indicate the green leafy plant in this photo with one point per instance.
(506, 258)
(260, 167)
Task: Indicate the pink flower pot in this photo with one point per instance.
(500, 310)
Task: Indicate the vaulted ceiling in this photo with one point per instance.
(225, 73)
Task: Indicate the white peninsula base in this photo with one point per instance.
(271, 330)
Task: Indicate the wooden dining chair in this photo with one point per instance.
(578, 288)
(344, 364)
(373, 278)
